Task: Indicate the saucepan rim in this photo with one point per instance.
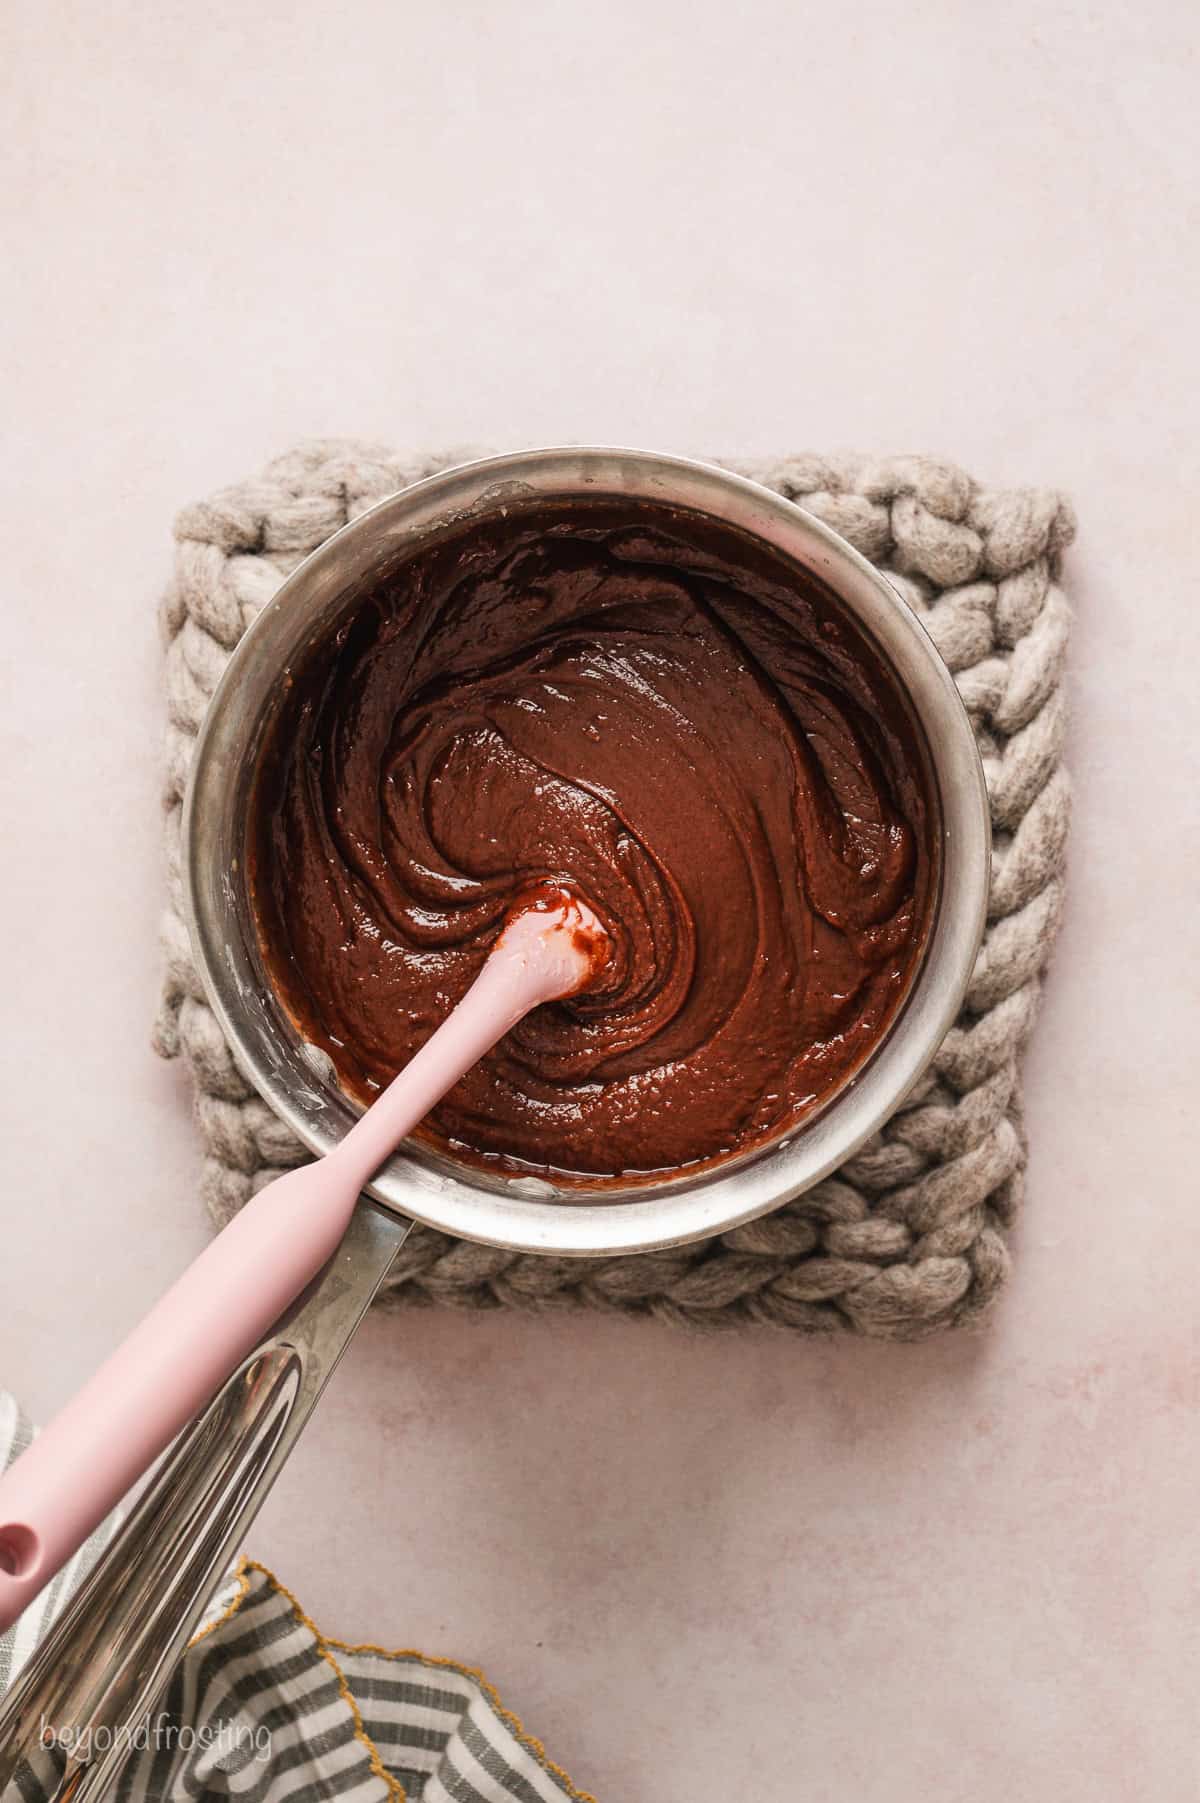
(522, 1213)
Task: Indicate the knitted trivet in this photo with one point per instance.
(908, 1237)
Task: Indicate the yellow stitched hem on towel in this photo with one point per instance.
(326, 1644)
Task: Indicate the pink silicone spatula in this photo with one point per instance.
(102, 1441)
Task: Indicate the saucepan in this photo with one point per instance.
(117, 1642)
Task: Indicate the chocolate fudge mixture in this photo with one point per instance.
(663, 717)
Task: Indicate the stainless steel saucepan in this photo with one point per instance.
(106, 1659)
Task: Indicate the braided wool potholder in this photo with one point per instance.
(909, 1236)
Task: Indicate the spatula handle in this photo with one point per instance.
(128, 1412)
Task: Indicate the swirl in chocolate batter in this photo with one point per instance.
(659, 715)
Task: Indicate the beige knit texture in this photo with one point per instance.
(909, 1236)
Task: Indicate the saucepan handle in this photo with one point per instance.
(104, 1662)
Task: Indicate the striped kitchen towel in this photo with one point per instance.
(265, 1708)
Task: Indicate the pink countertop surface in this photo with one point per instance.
(745, 1567)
